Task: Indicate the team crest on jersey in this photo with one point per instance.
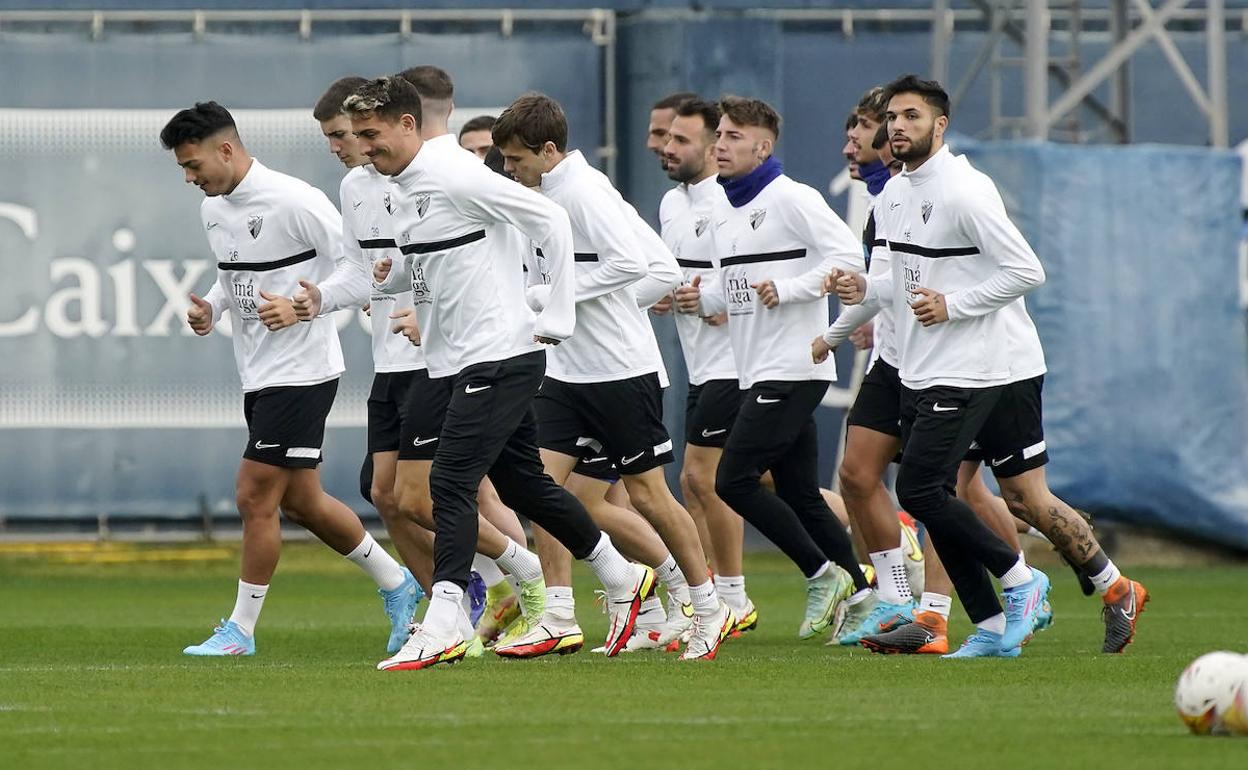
(422, 204)
(254, 223)
(926, 210)
(700, 226)
(388, 202)
(756, 218)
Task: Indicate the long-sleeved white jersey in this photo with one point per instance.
(947, 230)
(853, 316)
(367, 202)
(788, 235)
(621, 265)
(685, 219)
(464, 271)
(268, 233)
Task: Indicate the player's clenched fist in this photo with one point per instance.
(199, 315)
(307, 301)
(850, 287)
(689, 297)
(381, 270)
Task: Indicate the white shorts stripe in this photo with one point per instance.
(303, 451)
(1033, 450)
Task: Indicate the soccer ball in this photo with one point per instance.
(1211, 689)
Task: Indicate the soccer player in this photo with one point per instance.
(602, 395)
(773, 236)
(475, 137)
(456, 231)
(661, 116)
(266, 229)
(714, 392)
(972, 370)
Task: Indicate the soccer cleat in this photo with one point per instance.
(476, 648)
(708, 633)
(1022, 605)
(623, 610)
(545, 636)
(747, 619)
(824, 595)
(985, 644)
(1044, 618)
(226, 639)
(502, 608)
(476, 597)
(424, 650)
(400, 605)
(1124, 601)
(677, 626)
(927, 635)
(872, 616)
(913, 553)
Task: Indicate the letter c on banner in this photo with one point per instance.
(25, 219)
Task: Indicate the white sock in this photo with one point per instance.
(442, 617)
(466, 631)
(995, 624)
(248, 605)
(891, 581)
(673, 579)
(559, 603)
(615, 572)
(520, 562)
(378, 563)
(731, 589)
(858, 596)
(827, 565)
(1019, 574)
(705, 600)
(938, 603)
(488, 570)
(1105, 578)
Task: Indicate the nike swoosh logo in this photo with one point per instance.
(470, 389)
(686, 610)
(1002, 461)
(629, 460)
(369, 552)
(762, 400)
(939, 408)
(1129, 613)
(357, 204)
(892, 206)
(593, 460)
(709, 433)
(257, 596)
(212, 225)
(266, 446)
(421, 442)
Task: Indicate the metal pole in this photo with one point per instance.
(1120, 85)
(611, 161)
(1215, 44)
(1036, 69)
(942, 33)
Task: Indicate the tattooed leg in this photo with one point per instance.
(1029, 498)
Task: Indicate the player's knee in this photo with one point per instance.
(700, 480)
(386, 504)
(733, 484)
(414, 505)
(856, 480)
(253, 504)
(919, 493)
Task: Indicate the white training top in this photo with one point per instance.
(853, 316)
(466, 275)
(788, 235)
(268, 233)
(685, 219)
(947, 231)
(367, 202)
(621, 265)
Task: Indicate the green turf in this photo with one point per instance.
(91, 676)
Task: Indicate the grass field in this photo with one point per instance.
(91, 676)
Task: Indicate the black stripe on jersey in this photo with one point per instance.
(702, 263)
(878, 242)
(771, 256)
(582, 256)
(933, 253)
(276, 264)
(452, 243)
(378, 243)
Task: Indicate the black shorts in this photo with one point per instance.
(1012, 440)
(286, 425)
(710, 410)
(598, 468)
(878, 404)
(427, 399)
(621, 420)
(387, 408)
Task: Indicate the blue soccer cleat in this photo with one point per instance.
(400, 605)
(984, 644)
(1022, 608)
(476, 597)
(226, 639)
(881, 618)
(1044, 618)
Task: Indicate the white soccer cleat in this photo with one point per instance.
(423, 649)
(708, 633)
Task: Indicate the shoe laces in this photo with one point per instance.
(601, 601)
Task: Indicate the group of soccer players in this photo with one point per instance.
(517, 375)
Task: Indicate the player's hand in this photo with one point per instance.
(278, 312)
(663, 306)
(851, 287)
(864, 336)
(539, 339)
(819, 349)
(930, 307)
(405, 324)
(689, 297)
(719, 319)
(307, 301)
(767, 293)
(381, 270)
(199, 315)
(368, 309)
